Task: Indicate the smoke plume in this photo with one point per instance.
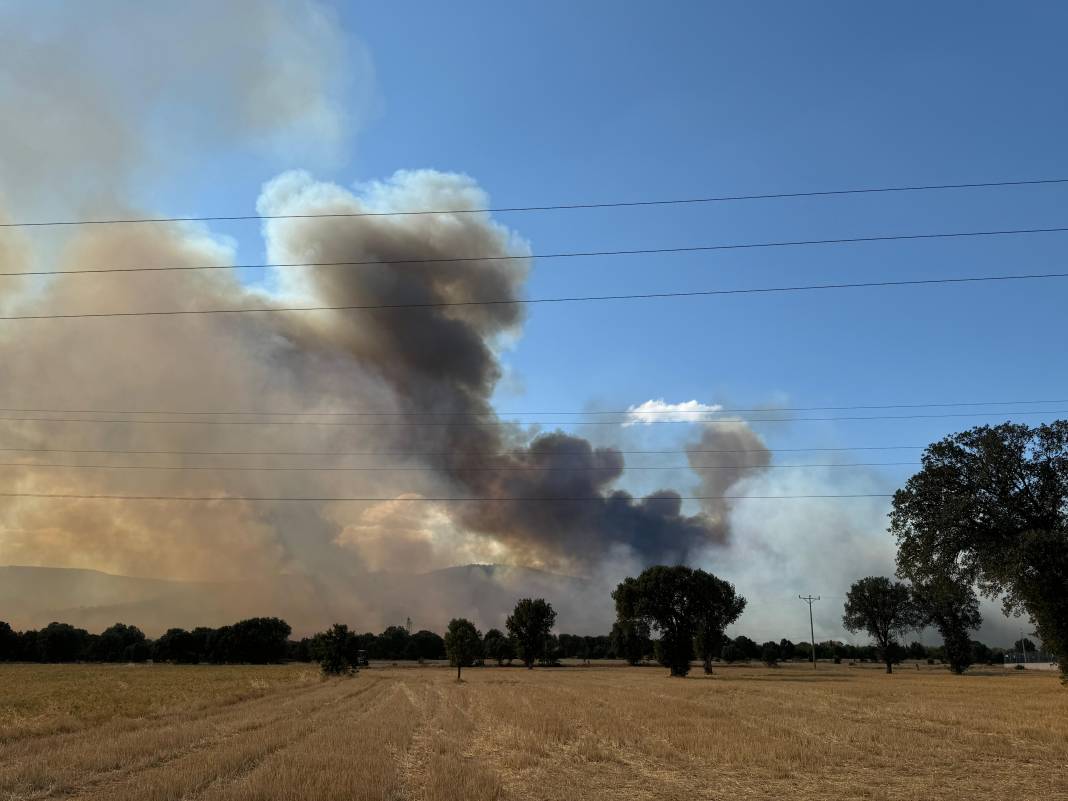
(88, 136)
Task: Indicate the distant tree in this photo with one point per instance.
(916, 650)
(120, 643)
(335, 650)
(770, 653)
(631, 640)
(665, 598)
(29, 646)
(259, 640)
(884, 609)
(982, 654)
(498, 646)
(716, 605)
(62, 642)
(953, 608)
(463, 644)
(731, 653)
(9, 643)
(552, 653)
(299, 650)
(176, 645)
(428, 645)
(746, 647)
(1025, 646)
(392, 643)
(529, 626)
(787, 650)
(989, 507)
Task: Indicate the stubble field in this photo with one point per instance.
(156, 732)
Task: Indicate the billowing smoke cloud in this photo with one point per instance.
(550, 503)
(86, 135)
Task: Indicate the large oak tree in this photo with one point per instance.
(990, 507)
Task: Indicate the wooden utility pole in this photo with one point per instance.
(811, 599)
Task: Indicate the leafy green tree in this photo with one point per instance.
(990, 507)
(9, 643)
(529, 625)
(746, 647)
(176, 645)
(716, 605)
(428, 645)
(120, 643)
(953, 608)
(982, 653)
(770, 653)
(631, 640)
(335, 650)
(885, 610)
(463, 644)
(730, 653)
(61, 642)
(498, 646)
(663, 597)
(1025, 646)
(393, 644)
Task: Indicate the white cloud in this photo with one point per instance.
(658, 410)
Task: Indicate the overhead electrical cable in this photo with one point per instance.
(544, 256)
(635, 410)
(338, 499)
(457, 468)
(551, 207)
(531, 301)
(484, 424)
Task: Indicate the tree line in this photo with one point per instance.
(986, 514)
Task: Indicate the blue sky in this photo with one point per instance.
(564, 103)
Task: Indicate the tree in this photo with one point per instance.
(258, 640)
(953, 608)
(335, 650)
(120, 643)
(747, 648)
(529, 625)
(631, 640)
(665, 598)
(884, 609)
(176, 645)
(463, 644)
(716, 605)
(61, 642)
(770, 653)
(1025, 646)
(392, 643)
(498, 646)
(990, 507)
(428, 645)
(9, 643)
(730, 653)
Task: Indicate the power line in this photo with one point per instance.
(406, 454)
(259, 498)
(496, 414)
(531, 301)
(553, 207)
(488, 424)
(457, 468)
(559, 255)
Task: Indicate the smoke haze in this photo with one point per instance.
(86, 136)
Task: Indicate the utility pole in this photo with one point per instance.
(811, 599)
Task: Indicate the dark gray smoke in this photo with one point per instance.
(441, 367)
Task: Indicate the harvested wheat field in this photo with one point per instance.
(226, 733)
